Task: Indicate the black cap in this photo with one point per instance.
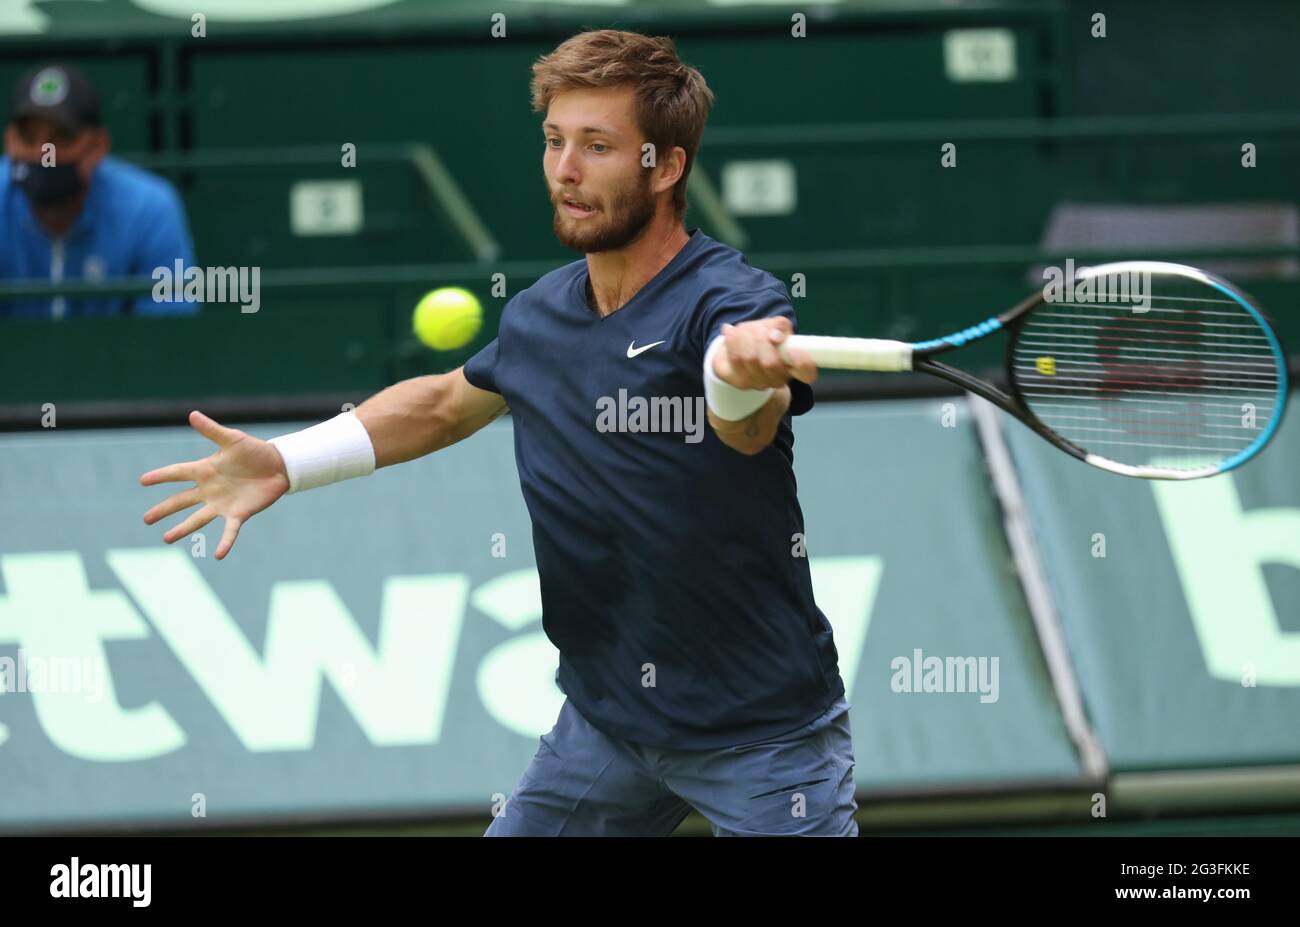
(58, 92)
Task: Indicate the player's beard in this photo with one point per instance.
(621, 220)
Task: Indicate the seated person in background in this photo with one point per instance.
(72, 212)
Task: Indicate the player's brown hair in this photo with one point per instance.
(672, 99)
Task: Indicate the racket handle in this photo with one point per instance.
(852, 353)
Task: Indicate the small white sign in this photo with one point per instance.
(979, 54)
(325, 207)
(759, 188)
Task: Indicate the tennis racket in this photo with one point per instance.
(1141, 368)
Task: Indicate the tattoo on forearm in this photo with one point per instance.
(751, 425)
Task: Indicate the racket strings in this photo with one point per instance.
(1191, 372)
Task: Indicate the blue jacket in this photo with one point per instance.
(132, 222)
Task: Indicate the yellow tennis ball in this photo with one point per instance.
(447, 318)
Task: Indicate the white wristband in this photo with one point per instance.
(728, 402)
(336, 449)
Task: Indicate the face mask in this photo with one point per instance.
(46, 186)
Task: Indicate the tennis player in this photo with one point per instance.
(698, 670)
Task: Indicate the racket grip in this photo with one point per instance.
(852, 353)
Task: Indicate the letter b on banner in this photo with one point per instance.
(1220, 551)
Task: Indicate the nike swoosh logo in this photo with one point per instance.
(633, 350)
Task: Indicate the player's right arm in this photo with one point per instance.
(246, 474)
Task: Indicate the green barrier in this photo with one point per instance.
(889, 240)
(341, 329)
(303, 346)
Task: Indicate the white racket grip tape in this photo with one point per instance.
(852, 353)
(336, 449)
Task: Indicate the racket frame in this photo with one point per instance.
(921, 355)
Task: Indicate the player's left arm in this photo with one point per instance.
(748, 358)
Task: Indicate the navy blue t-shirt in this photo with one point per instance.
(665, 556)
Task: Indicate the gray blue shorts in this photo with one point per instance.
(582, 782)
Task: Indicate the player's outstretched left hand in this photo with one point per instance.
(241, 478)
